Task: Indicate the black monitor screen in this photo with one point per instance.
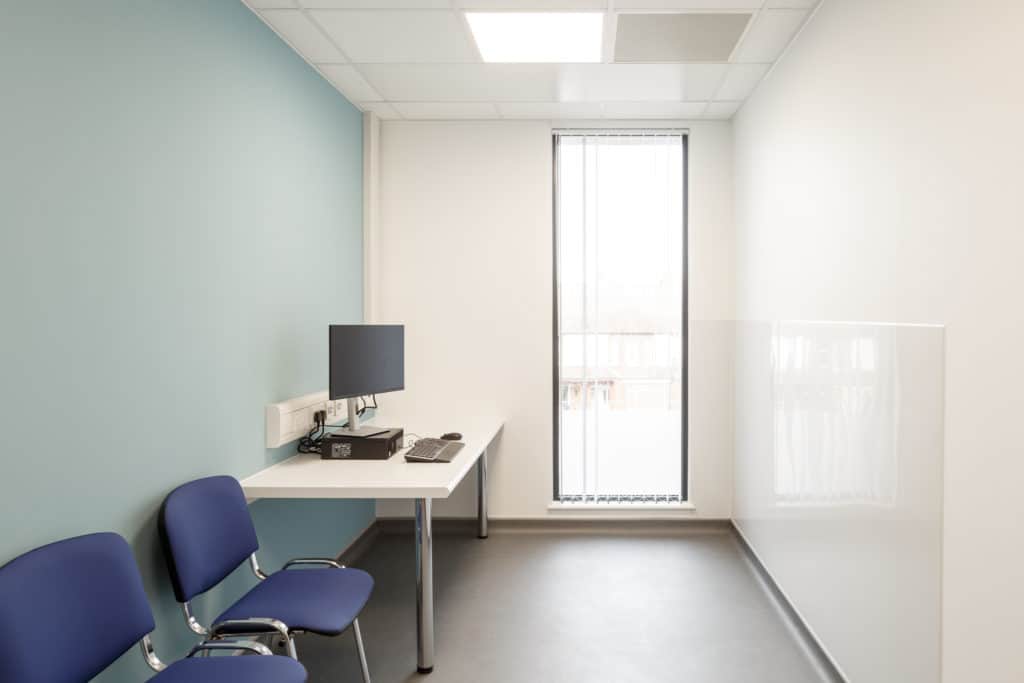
(366, 359)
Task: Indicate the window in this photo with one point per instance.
(620, 317)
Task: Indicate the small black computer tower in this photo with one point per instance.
(377, 447)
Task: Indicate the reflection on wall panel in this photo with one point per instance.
(838, 484)
(835, 415)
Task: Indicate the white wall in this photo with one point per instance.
(464, 259)
(878, 174)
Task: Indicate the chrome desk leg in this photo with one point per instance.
(481, 496)
(424, 588)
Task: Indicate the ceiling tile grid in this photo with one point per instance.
(663, 59)
(303, 35)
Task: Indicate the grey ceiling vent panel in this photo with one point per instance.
(678, 37)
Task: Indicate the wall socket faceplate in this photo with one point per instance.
(291, 420)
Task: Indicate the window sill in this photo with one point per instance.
(619, 508)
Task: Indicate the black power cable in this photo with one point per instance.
(360, 411)
(310, 443)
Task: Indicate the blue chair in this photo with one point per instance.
(70, 608)
(207, 533)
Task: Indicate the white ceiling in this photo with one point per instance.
(416, 59)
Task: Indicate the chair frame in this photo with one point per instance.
(156, 664)
(261, 626)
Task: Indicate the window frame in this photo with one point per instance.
(556, 367)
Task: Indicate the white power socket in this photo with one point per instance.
(291, 420)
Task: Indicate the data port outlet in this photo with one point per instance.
(292, 419)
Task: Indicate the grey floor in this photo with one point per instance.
(529, 605)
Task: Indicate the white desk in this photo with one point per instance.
(307, 476)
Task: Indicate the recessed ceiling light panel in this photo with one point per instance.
(548, 37)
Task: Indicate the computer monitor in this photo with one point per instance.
(365, 359)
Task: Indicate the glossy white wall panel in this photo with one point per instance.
(838, 486)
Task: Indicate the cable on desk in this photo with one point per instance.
(310, 443)
(360, 411)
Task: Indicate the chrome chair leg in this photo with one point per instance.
(291, 648)
(361, 651)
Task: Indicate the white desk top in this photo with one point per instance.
(307, 476)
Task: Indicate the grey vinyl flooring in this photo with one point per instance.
(533, 605)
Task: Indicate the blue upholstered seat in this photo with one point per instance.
(70, 608)
(207, 533)
(248, 669)
(323, 601)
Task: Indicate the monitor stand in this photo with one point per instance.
(353, 429)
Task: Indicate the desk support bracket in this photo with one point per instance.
(424, 587)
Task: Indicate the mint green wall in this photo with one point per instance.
(180, 219)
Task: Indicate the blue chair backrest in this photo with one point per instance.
(69, 609)
(207, 532)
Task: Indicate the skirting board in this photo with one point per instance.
(359, 545)
(446, 525)
(827, 667)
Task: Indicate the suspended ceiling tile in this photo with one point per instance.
(793, 4)
(447, 110)
(376, 4)
(534, 5)
(638, 82)
(302, 35)
(771, 32)
(702, 80)
(654, 110)
(741, 81)
(721, 110)
(681, 37)
(551, 110)
(619, 82)
(463, 82)
(398, 36)
(350, 83)
(688, 4)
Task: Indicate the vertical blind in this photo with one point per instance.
(620, 326)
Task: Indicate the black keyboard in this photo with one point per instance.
(433, 450)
